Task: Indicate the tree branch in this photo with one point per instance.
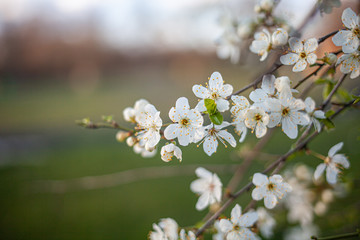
(341, 236)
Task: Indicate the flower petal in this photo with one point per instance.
(258, 95)
(222, 105)
(349, 18)
(201, 106)
(334, 149)
(299, 66)
(203, 201)
(225, 225)
(200, 91)
(260, 179)
(341, 159)
(182, 106)
(215, 82)
(227, 137)
(289, 59)
(248, 219)
(331, 175)
(258, 193)
(309, 104)
(171, 131)
(296, 44)
(319, 170)
(236, 214)
(210, 145)
(311, 58)
(199, 185)
(289, 128)
(226, 90)
(310, 45)
(270, 201)
(268, 84)
(260, 130)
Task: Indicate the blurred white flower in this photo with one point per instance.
(189, 236)
(266, 223)
(302, 52)
(208, 186)
(228, 46)
(170, 150)
(216, 90)
(314, 114)
(213, 133)
(238, 227)
(167, 229)
(349, 39)
(333, 164)
(271, 189)
(188, 123)
(301, 232)
(138, 149)
(219, 235)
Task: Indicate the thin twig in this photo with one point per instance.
(340, 236)
(320, 40)
(309, 76)
(327, 101)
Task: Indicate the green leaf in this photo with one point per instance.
(210, 105)
(108, 119)
(328, 123)
(323, 81)
(357, 98)
(329, 113)
(216, 118)
(327, 90)
(344, 94)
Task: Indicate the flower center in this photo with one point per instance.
(285, 111)
(257, 117)
(356, 31)
(270, 186)
(302, 55)
(214, 95)
(327, 160)
(184, 122)
(236, 227)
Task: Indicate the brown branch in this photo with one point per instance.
(309, 76)
(320, 40)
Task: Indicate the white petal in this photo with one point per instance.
(210, 145)
(260, 130)
(201, 106)
(310, 45)
(319, 170)
(296, 45)
(342, 37)
(171, 131)
(174, 115)
(276, 178)
(241, 102)
(258, 95)
(199, 185)
(349, 18)
(351, 45)
(319, 114)
(184, 136)
(227, 137)
(260, 179)
(248, 219)
(274, 119)
(335, 149)
(317, 124)
(311, 58)
(200, 91)
(236, 214)
(268, 84)
(289, 59)
(203, 201)
(341, 159)
(195, 117)
(289, 128)
(258, 193)
(331, 175)
(215, 82)
(309, 104)
(203, 173)
(270, 201)
(222, 105)
(246, 233)
(226, 90)
(299, 118)
(225, 225)
(299, 66)
(234, 235)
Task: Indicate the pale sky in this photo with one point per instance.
(178, 24)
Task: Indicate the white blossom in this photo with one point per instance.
(170, 150)
(228, 46)
(241, 104)
(130, 113)
(208, 186)
(189, 236)
(287, 112)
(216, 90)
(349, 39)
(149, 123)
(138, 149)
(314, 114)
(219, 235)
(266, 223)
(301, 232)
(238, 227)
(264, 42)
(271, 189)
(267, 90)
(333, 164)
(264, 5)
(167, 229)
(213, 133)
(350, 63)
(257, 120)
(187, 125)
(302, 52)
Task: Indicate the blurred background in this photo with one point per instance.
(63, 60)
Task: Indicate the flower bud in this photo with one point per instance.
(122, 135)
(149, 149)
(280, 37)
(266, 5)
(131, 141)
(330, 58)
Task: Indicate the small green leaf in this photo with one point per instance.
(216, 118)
(210, 105)
(108, 119)
(344, 94)
(327, 90)
(329, 113)
(328, 123)
(357, 98)
(323, 81)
